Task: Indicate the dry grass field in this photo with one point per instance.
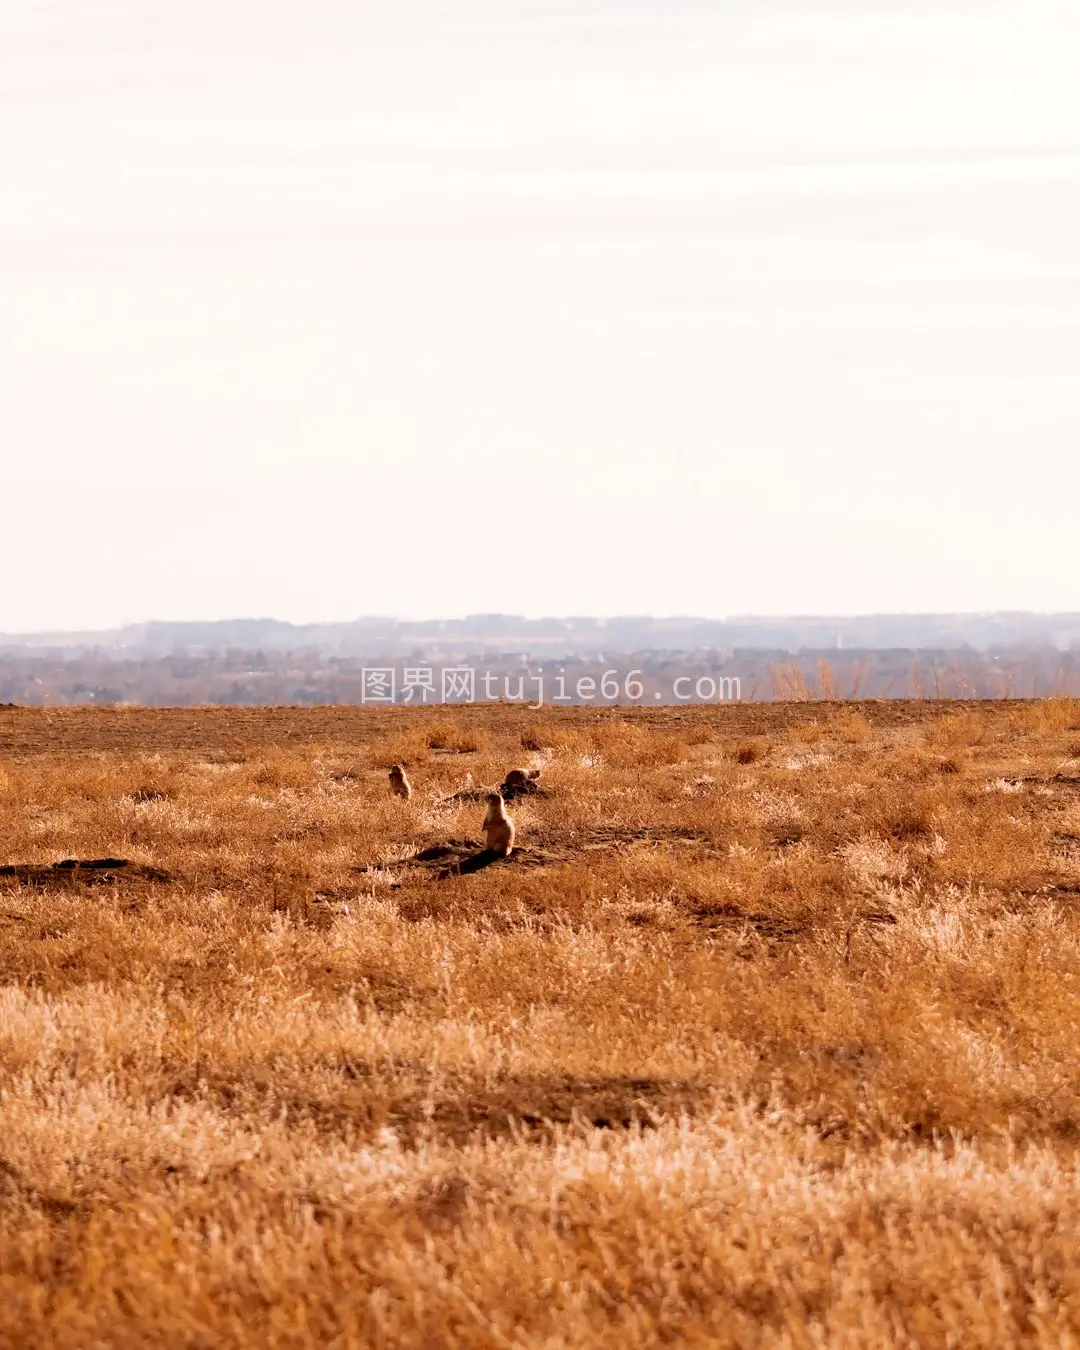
(767, 1035)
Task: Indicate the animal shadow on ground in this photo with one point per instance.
(460, 857)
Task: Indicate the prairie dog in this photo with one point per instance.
(498, 827)
(518, 783)
(399, 784)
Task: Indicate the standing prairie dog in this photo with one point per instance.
(498, 827)
(399, 784)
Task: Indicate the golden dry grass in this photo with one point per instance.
(767, 1037)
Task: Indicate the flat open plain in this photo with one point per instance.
(767, 1035)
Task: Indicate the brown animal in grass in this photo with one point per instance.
(498, 827)
(518, 783)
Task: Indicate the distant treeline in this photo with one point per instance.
(307, 677)
(583, 635)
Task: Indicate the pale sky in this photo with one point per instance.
(340, 307)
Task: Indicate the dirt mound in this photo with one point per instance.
(458, 857)
(81, 871)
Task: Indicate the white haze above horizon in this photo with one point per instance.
(417, 308)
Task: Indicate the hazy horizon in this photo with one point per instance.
(897, 617)
(697, 308)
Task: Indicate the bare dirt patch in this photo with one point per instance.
(81, 872)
